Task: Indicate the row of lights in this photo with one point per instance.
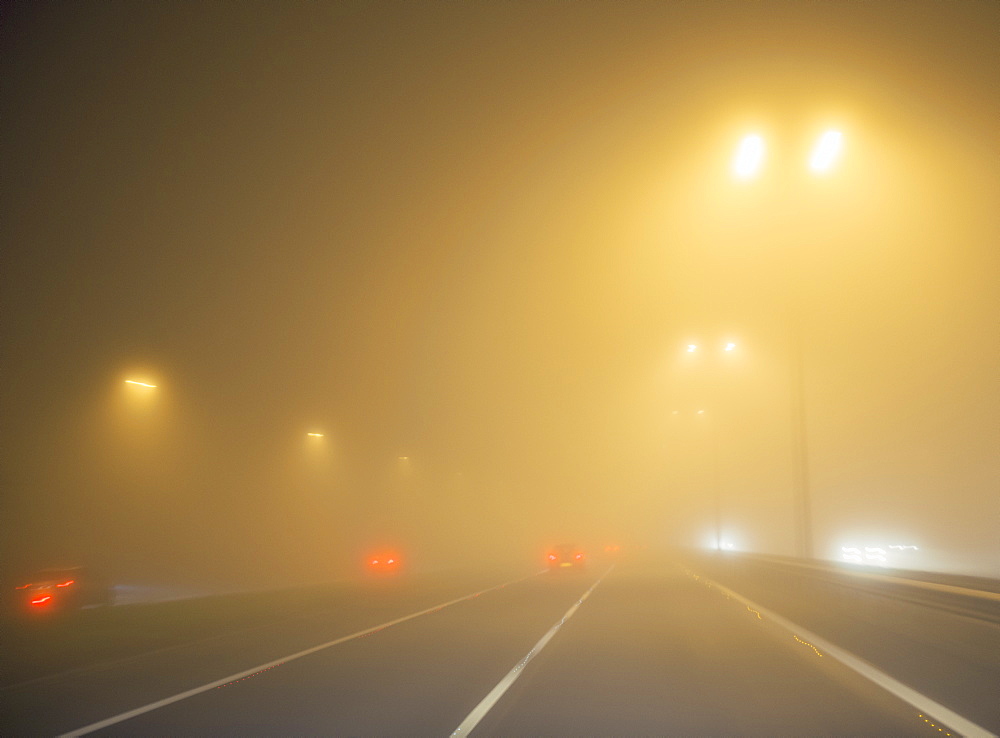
(148, 385)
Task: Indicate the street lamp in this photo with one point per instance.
(826, 151)
(749, 157)
(822, 160)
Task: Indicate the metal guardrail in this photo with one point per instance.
(888, 578)
(978, 604)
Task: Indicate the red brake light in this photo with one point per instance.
(66, 583)
(374, 562)
(23, 586)
(552, 557)
(41, 600)
(391, 561)
(578, 557)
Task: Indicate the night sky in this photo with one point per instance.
(469, 243)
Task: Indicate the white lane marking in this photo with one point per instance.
(277, 662)
(920, 701)
(487, 703)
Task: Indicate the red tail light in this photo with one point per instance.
(552, 557)
(66, 583)
(578, 557)
(41, 600)
(384, 562)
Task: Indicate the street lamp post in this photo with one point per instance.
(747, 164)
(802, 504)
(712, 431)
(713, 446)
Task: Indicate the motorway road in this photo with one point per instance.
(650, 650)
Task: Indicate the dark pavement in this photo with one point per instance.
(652, 651)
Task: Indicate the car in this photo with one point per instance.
(565, 556)
(63, 589)
(384, 563)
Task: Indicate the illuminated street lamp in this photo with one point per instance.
(824, 156)
(826, 151)
(749, 157)
(140, 384)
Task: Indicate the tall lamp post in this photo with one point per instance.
(747, 164)
(712, 430)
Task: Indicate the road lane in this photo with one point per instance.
(665, 655)
(942, 653)
(188, 644)
(420, 677)
(651, 651)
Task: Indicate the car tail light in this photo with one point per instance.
(41, 600)
(578, 557)
(66, 583)
(552, 557)
(23, 586)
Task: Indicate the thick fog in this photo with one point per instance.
(470, 244)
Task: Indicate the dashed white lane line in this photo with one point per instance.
(487, 703)
(918, 700)
(277, 662)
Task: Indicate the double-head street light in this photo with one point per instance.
(748, 163)
(750, 154)
(711, 423)
(694, 347)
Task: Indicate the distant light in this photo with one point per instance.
(66, 583)
(315, 435)
(826, 151)
(852, 555)
(730, 346)
(41, 600)
(141, 384)
(701, 412)
(676, 412)
(875, 553)
(749, 157)
(404, 458)
(692, 347)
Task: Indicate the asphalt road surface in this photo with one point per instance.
(622, 649)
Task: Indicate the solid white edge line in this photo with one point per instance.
(247, 672)
(487, 703)
(909, 695)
